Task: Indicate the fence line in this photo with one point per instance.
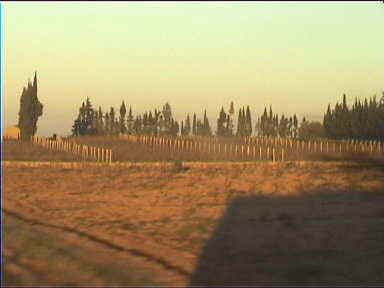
(258, 148)
(84, 152)
(246, 149)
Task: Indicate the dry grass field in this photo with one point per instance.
(125, 150)
(27, 151)
(282, 223)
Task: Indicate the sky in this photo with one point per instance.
(296, 56)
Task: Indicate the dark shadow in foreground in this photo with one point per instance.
(317, 237)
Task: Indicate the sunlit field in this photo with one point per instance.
(268, 223)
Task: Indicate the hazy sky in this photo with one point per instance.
(297, 57)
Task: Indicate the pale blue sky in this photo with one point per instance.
(297, 57)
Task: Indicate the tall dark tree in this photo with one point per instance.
(187, 126)
(283, 127)
(248, 123)
(222, 124)
(167, 117)
(290, 127)
(295, 126)
(240, 124)
(137, 127)
(86, 122)
(113, 128)
(264, 123)
(30, 110)
(206, 127)
(90, 123)
(130, 122)
(123, 112)
(107, 124)
(258, 130)
(182, 129)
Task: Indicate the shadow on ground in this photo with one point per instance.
(315, 237)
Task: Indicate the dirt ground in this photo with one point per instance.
(301, 223)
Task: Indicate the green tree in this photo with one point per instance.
(130, 122)
(222, 124)
(107, 124)
(311, 130)
(240, 124)
(123, 112)
(187, 126)
(206, 127)
(295, 126)
(114, 125)
(283, 126)
(30, 110)
(248, 123)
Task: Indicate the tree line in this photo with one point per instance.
(364, 120)
(92, 121)
(160, 122)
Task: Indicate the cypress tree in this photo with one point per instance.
(100, 123)
(123, 112)
(290, 127)
(295, 126)
(187, 126)
(239, 124)
(107, 124)
(248, 122)
(221, 128)
(130, 122)
(30, 110)
(264, 123)
(112, 122)
(229, 126)
(206, 127)
(182, 130)
(327, 121)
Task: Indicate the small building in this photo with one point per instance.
(12, 132)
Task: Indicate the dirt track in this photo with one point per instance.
(41, 254)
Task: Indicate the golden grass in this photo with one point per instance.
(124, 150)
(37, 256)
(27, 151)
(300, 222)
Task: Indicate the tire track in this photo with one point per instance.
(135, 252)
